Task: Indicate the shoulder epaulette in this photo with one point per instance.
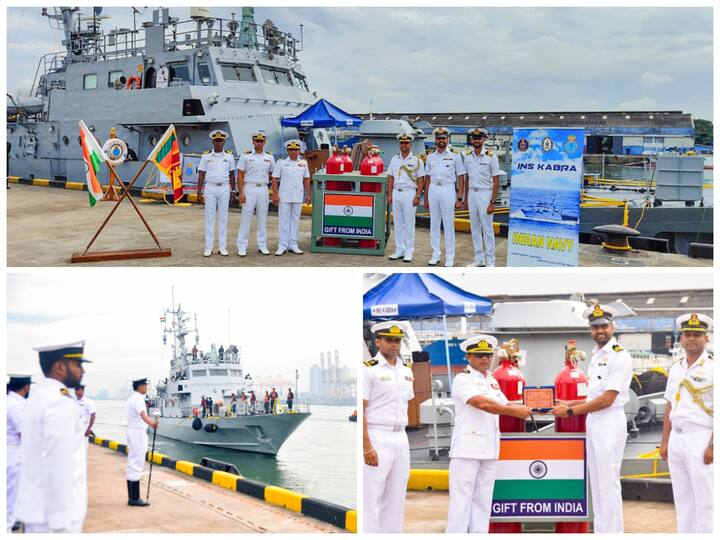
(228, 151)
(408, 363)
(617, 348)
(489, 153)
(468, 152)
(466, 370)
(64, 392)
(454, 150)
(206, 152)
(370, 363)
(247, 151)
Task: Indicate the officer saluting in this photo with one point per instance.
(52, 496)
(294, 177)
(687, 441)
(405, 186)
(442, 168)
(254, 169)
(610, 374)
(475, 445)
(217, 169)
(18, 391)
(482, 186)
(137, 439)
(387, 388)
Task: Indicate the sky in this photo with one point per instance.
(283, 319)
(466, 59)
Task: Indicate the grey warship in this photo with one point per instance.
(219, 375)
(201, 74)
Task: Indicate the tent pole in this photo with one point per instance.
(434, 410)
(447, 353)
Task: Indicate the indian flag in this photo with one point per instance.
(93, 156)
(541, 470)
(348, 210)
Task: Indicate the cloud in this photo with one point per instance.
(640, 104)
(655, 78)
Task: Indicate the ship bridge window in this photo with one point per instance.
(179, 72)
(276, 76)
(90, 81)
(204, 73)
(235, 372)
(301, 82)
(112, 77)
(218, 372)
(238, 72)
(199, 373)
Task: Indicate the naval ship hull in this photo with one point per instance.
(262, 434)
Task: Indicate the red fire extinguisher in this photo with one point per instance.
(347, 160)
(511, 382)
(372, 165)
(571, 384)
(336, 165)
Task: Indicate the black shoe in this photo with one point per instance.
(136, 500)
(130, 493)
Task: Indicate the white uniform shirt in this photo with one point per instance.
(53, 482)
(444, 168)
(257, 167)
(684, 409)
(136, 405)
(481, 169)
(387, 389)
(291, 175)
(610, 369)
(87, 409)
(413, 163)
(15, 409)
(217, 167)
(476, 434)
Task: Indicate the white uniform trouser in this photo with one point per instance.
(13, 479)
(288, 225)
(217, 201)
(137, 440)
(257, 200)
(404, 220)
(471, 489)
(385, 486)
(481, 225)
(692, 480)
(74, 527)
(442, 209)
(606, 436)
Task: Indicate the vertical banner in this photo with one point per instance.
(545, 198)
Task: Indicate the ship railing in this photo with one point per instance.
(245, 409)
(232, 34)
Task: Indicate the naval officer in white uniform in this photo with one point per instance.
(216, 174)
(610, 374)
(483, 183)
(475, 445)
(387, 389)
(405, 180)
(293, 176)
(444, 191)
(87, 409)
(18, 391)
(687, 441)
(254, 170)
(52, 496)
(137, 439)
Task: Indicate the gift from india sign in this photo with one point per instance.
(541, 477)
(544, 225)
(347, 215)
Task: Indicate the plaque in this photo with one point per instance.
(539, 398)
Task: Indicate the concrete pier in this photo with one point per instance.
(46, 225)
(180, 504)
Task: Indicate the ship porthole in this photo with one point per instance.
(186, 140)
(153, 139)
(66, 140)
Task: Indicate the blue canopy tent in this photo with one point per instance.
(321, 114)
(417, 296)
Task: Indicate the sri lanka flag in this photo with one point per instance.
(93, 156)
(166, 157)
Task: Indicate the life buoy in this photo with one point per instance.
(134, 79)
(197, 424)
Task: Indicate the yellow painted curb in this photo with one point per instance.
(13, 179)
(77, 186)
(225, 479)
(428, 479)
(98, 441)
(185, 467)
(284, 498)
(351, 521)
(113, 445)
(157, 457)
(44, 182)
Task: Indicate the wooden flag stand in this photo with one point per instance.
(111, 193)
(87, 256)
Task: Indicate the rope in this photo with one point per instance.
(696, 394)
